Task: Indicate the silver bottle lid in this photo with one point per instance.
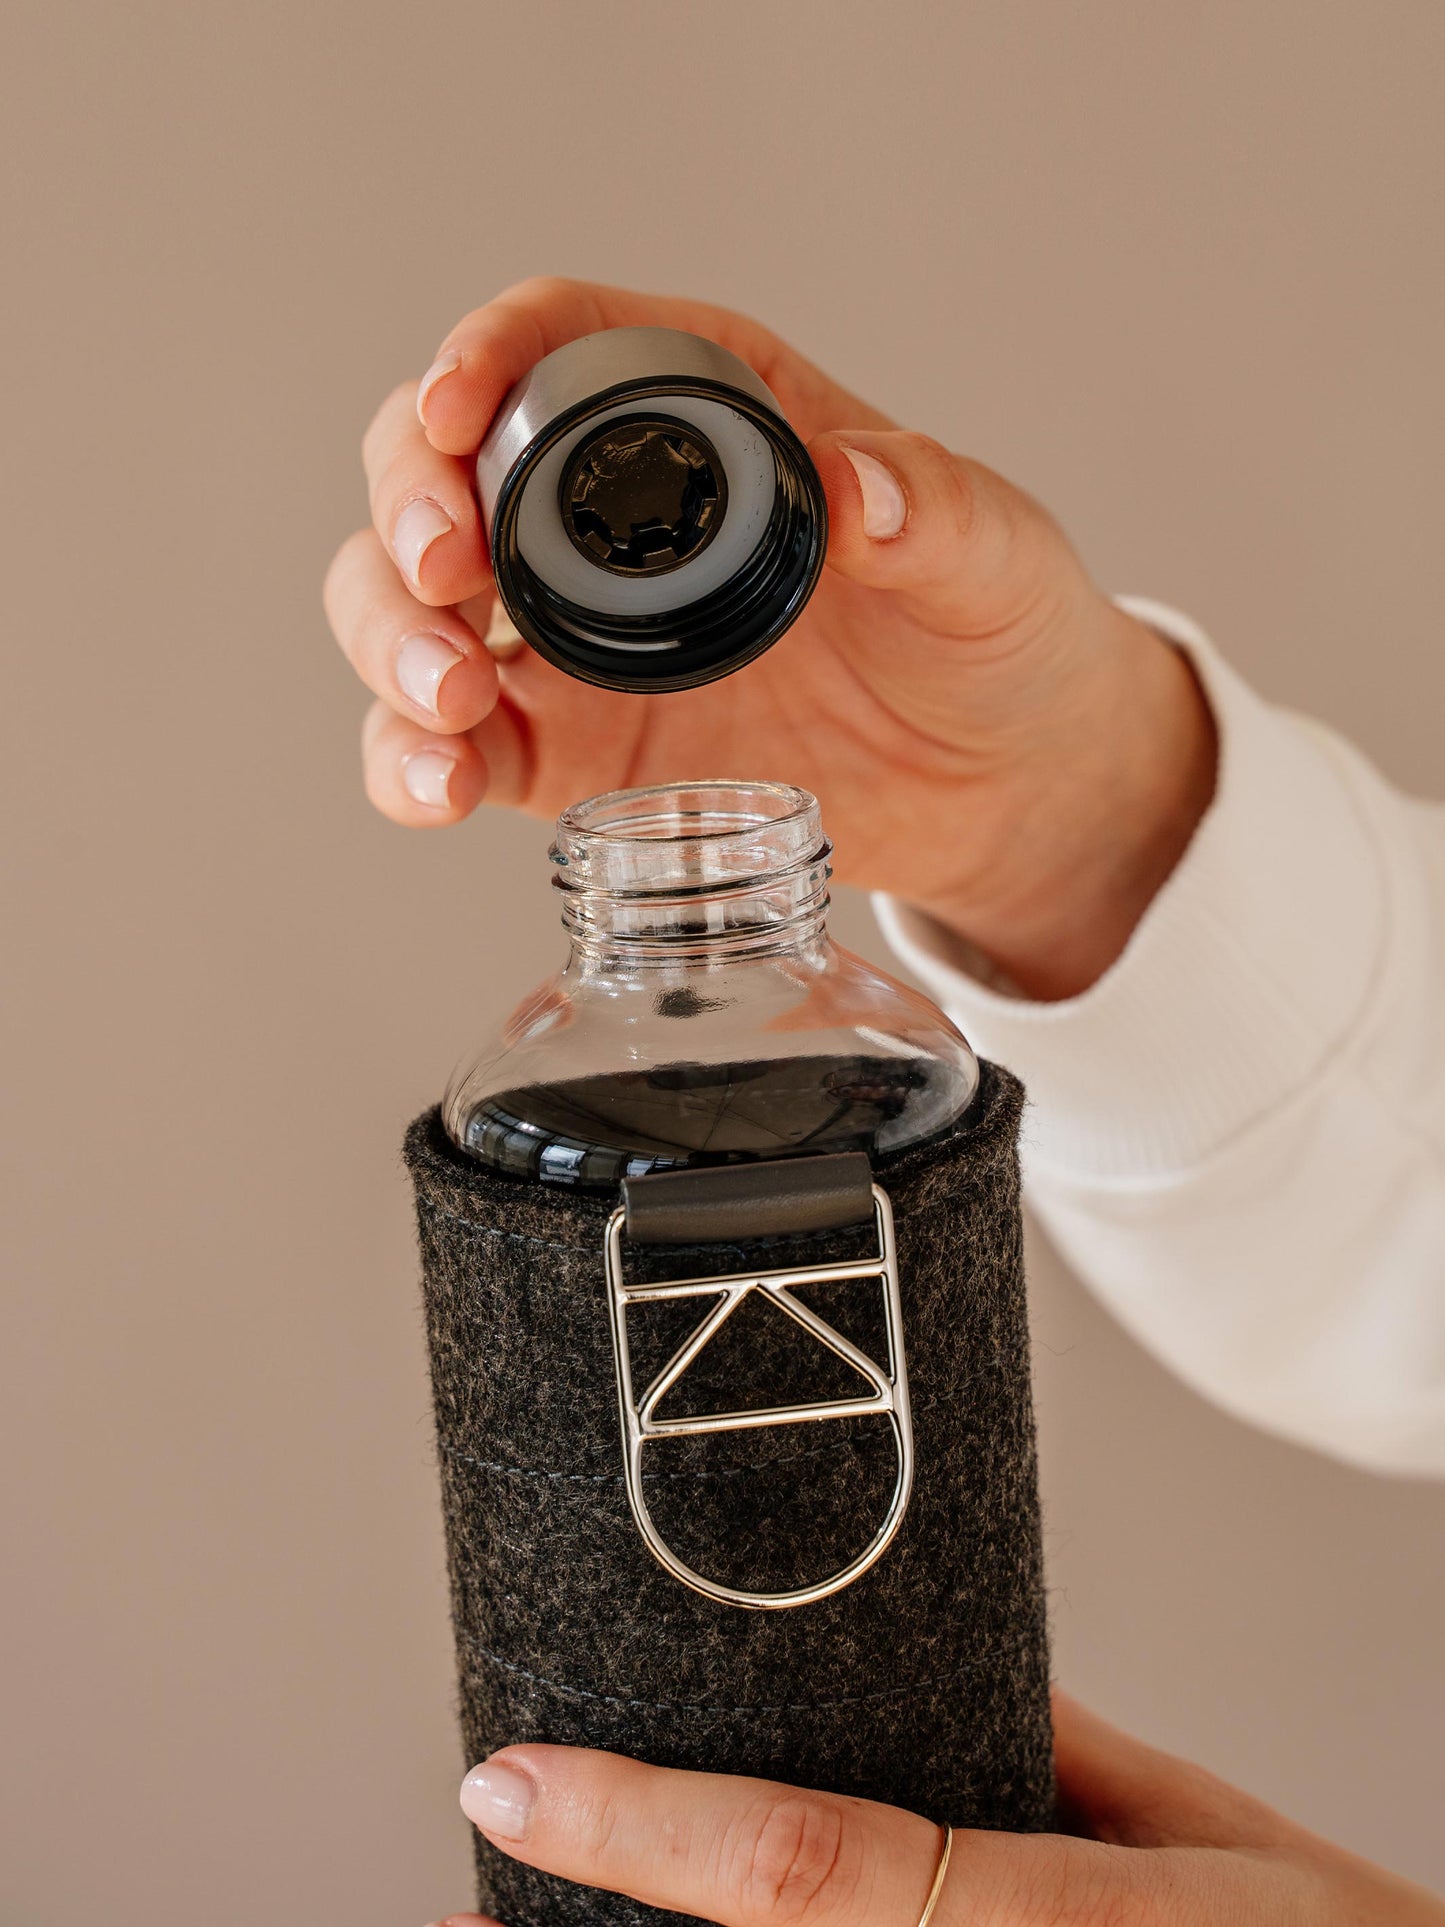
(654, 521)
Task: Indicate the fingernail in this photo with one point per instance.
(417, 527)
(443, 366)
(427, 776)
(422, 663)
(885, 506)
(498, 1799)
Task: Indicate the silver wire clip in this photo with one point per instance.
(889, 1397)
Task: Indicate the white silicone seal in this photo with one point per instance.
(751, 476)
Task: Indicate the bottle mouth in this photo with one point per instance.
(693, 862)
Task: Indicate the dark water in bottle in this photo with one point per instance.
(591, 1132)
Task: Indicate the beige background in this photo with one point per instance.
(1177, 269)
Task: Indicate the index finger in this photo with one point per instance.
(742, 1852)
(491, 349)
(752, 1853)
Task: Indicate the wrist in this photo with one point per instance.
(1097, 818)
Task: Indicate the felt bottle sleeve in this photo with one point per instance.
(924, 1683)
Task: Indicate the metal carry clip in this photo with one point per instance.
(889, 1396)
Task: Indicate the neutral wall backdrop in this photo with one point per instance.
(1176, 269)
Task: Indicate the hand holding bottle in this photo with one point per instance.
(989, 736)
(1156, 1841)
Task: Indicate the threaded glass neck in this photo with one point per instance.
(725, 867)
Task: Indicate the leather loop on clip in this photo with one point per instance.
(736, 1203)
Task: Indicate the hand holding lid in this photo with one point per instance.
(654, 522)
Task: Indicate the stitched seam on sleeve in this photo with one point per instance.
(701, 1706)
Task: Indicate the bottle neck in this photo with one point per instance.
(700, 874)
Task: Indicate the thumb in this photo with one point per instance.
(967, 553)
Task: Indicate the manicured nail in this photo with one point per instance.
(422, 663)
(498, 1799)
(417, 527)
(443, 366)
(885, 506)
(427, 776)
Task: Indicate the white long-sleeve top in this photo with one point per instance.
(1237, 1135)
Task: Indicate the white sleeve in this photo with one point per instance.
(1237, 1135)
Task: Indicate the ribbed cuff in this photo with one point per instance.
(1243, 978)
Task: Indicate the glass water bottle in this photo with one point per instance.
(703, 1015)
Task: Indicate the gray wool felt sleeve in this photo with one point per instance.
(925, 1683)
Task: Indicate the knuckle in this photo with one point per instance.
(343, 570)
(376, 791)
(393, 483)
(373, 730)
(924, 449)
(1057, 1890)
(380, 429)
(960, 500)
(1050, 1897)
(792, 1865)
(946, 477)
(599, 1819)
(542, 287)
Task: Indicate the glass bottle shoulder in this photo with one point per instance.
(611, 1068)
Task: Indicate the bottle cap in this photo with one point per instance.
(654, 521)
